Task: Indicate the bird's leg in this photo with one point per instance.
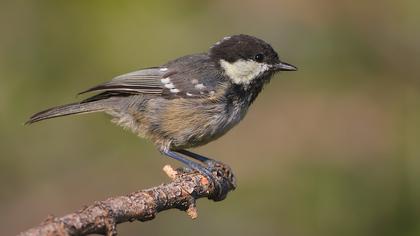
(193, 165)
(210, 163)
(196, 166)
(195, 156)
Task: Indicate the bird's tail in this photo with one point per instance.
(68, 109)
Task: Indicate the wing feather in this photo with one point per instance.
(141, 81)
(193, 76)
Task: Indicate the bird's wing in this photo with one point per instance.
(142, 81)
(192, 83)
(190, 77)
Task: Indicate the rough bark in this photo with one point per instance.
(181, 193)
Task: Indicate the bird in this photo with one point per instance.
(187, 102)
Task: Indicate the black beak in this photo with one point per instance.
(283, 66)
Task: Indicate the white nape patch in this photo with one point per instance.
(163, 69)
(188, 94)
(226, 38)
(174, 90)
(170, 85)
(243, 71)
(165, 80)
(223, 39)
(200, 86)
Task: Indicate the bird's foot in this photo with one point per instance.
(217, 169)
(219, 172)
(213, 171)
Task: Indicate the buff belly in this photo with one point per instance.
(178, 123)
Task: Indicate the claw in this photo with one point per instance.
(210, 170)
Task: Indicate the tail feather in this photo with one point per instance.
(65, 110)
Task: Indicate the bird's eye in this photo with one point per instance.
(259, 57)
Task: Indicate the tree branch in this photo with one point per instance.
(103, 216)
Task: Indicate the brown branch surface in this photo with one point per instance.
(103, 216)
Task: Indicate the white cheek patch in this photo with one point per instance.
(242, 71)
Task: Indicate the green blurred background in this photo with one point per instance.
(332, 149)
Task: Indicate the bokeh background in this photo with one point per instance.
(332, 149)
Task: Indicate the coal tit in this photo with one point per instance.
(186, 102)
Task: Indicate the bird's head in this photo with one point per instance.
(246, 58)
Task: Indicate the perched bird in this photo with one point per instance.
(188, 101)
